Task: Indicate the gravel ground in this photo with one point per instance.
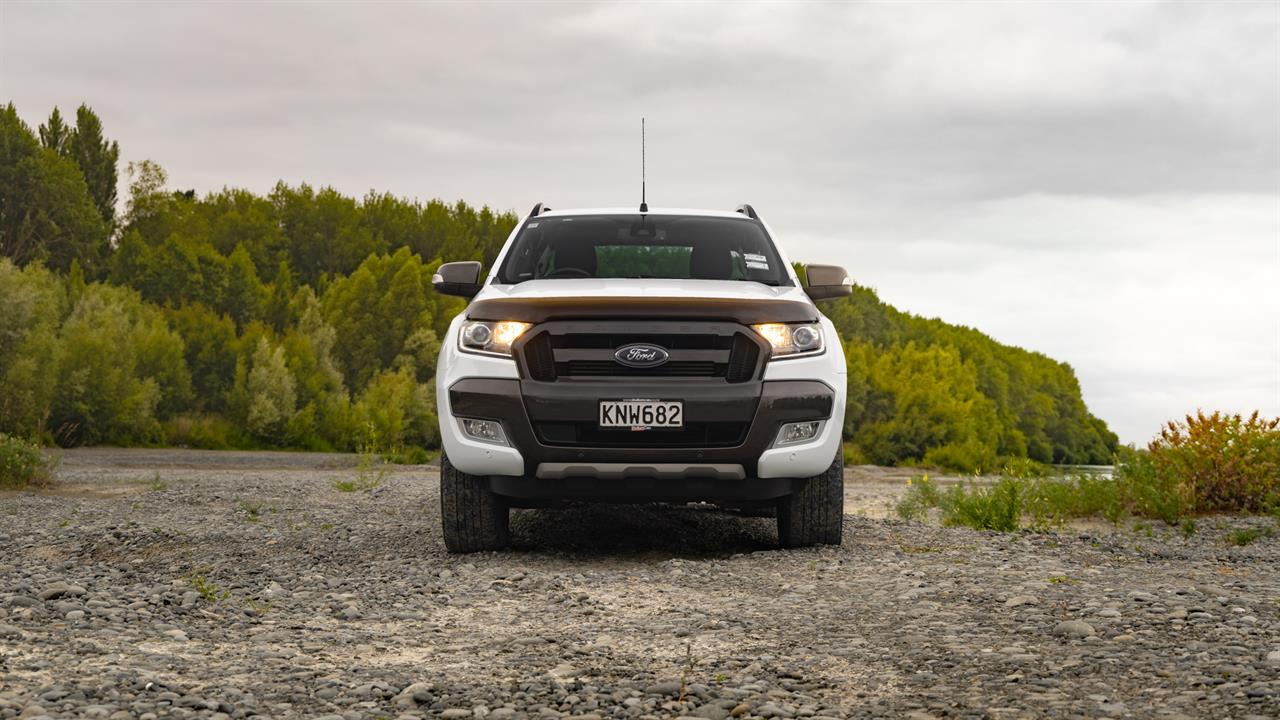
(189, 584)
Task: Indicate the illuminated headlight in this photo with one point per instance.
(793, 433)
(493, 338)
(791, 339)
(489, 431)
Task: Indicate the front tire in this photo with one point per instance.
(814, 513)
(473, 517)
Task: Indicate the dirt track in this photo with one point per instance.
(179, 583)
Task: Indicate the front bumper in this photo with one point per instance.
(547, 469)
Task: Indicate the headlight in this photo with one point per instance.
(791, 339)
(491, 338)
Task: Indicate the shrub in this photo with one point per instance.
(1219, 462)
(23, 464)
(1149, 493)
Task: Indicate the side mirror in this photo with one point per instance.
(457, 278)
(824, 282)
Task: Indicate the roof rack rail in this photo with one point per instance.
(749, 211)
(538, 210)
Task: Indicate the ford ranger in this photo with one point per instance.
(612, 355)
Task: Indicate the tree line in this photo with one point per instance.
(304, 318)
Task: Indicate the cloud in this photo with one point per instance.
(1100, 182)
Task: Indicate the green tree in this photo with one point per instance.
(55, 134)
(244, 294)
(272, 398)
(32, 304)
(394, 411)
(119, 362)
(46, 213)
(930, 411)
(97, 159)
(375, 310)
(209, 343)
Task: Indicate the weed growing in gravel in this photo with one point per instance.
(690, 664)
(1188, 527)
(23, 464)
(1247, 536)
(257, 608)
(370, 473)
(208, 589)
(157, 484)
(252, 509)
(920, 496)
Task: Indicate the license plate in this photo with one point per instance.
(641, 414)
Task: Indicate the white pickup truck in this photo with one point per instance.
(612, 355)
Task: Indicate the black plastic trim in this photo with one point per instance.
(519, 403)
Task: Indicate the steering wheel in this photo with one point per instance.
(567, 272)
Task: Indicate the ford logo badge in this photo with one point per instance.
(641, 356)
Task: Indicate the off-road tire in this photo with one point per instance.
(814, 513)
(473, 518)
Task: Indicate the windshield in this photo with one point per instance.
(643, 246)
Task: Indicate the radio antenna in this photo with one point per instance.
(644, 206)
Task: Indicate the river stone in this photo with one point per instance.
(1073, 628)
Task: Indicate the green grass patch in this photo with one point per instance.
(1012, 502)
(253, 509)
(1248, 536)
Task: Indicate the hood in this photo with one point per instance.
(642, 298)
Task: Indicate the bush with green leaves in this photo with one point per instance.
(23, 464)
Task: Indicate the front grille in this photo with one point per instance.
(589, 434)
(585, 350)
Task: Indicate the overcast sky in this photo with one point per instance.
(1098, 182)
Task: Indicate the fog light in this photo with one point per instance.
(793, 433)
(489, 431)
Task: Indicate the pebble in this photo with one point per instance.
(1073, 628)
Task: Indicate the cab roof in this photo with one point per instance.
(633, 211)
(743, 211)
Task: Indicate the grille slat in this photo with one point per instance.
(578, 368)
(539, 358)
(743, 359)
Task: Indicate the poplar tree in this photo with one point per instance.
(97, 159)
(56, 134)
